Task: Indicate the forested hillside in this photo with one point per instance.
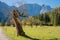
(50, 18)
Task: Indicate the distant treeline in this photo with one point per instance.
(51, 18)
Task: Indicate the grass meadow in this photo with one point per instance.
(39, 32)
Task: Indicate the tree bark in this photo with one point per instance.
(18, 25)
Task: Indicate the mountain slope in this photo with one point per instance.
(31, 9)
(45, 9)
(4, 10)
(35, 9)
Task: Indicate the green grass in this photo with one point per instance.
(43, 33)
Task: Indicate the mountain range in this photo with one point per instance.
(35, 9)
(30, 9)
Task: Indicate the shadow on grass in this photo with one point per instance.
(26, 36)
(54, 39)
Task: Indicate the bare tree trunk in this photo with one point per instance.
(19, 27)
(18, 24)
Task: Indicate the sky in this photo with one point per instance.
(52, 3)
